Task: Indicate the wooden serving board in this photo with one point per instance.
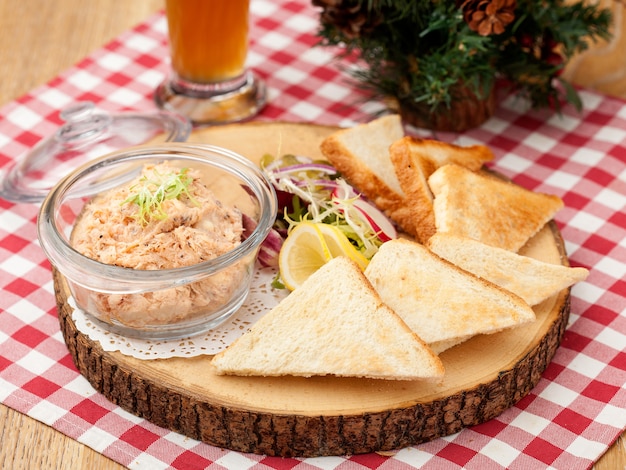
(293, 416)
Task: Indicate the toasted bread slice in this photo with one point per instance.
(414, 160)
(488, 209)
(441, 302)
(361, 154)
(334, 324)
(440, 153)
(531, 279)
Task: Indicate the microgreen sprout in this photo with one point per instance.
(150, 193)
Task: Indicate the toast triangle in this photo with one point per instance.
(334, 324)
(361, 155)
(440, 153)
(488, 209)
(531, 279)
(414, 160)
(442, 303)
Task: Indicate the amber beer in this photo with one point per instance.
(208, 38)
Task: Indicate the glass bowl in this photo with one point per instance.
(138, 297)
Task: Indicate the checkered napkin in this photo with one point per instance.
(567, 421)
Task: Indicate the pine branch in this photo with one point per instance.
(422, 51)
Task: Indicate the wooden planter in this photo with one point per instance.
(466, 111)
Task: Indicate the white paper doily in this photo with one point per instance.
(260, 300)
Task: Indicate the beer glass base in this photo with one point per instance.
(213, 104)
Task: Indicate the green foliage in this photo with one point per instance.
(420, 51)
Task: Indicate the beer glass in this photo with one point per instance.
(209, 82)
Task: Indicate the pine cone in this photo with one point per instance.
(351, 17)
(488, 17)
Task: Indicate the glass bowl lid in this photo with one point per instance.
(87, 133)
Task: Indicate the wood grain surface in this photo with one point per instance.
(41, 38)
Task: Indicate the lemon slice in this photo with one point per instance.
(339, 245)
(308, 247)
(303, 252)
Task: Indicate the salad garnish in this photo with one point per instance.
(314, 191)
(149, 194)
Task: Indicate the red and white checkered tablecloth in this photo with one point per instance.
(568, 421)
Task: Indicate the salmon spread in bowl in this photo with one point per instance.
(159, 242)
(180, 231)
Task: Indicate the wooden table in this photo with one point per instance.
(39, 39)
